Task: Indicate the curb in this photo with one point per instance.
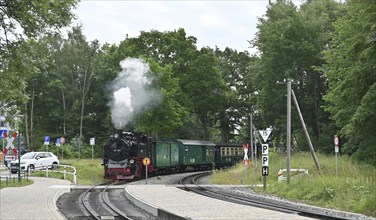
(160, 213)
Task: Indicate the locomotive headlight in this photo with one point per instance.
(116, 135)
(131, 161)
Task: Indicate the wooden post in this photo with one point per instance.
(306, 132)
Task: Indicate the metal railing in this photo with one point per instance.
(64, 169)
(57, 169)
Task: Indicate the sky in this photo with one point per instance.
(214, 23)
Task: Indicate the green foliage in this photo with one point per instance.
(162, 118)
(351, 71)
(235, 69)
(290, 42)
(20, 19)
(88, 172)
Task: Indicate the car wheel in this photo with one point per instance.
(31, 167)
(13, 172)
(54, 166)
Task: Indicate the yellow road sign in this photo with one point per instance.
(146, 161)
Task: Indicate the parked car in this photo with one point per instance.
(35, 161)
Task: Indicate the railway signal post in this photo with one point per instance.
(146, 162)
(265, 162)
(10, 146)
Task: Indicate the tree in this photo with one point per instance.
(205, 88)
(60, 87)
(20, 19)
(174, 49)
(237, 104)
(162, 118)
(290, 42)
(350, 70)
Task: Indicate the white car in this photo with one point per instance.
(34, 161)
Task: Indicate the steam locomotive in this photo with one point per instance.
(124, 154)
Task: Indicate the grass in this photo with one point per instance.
(88, 172)
(354, 189)
(14, 183)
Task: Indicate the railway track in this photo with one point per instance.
(96, 202)
(190, 184)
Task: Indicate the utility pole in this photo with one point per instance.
(251, 134)
(288, 127)
(288, 132)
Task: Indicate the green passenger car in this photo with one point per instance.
(196, 154)
(228, 154)
(183, 154)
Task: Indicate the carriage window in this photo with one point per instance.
(232, 151)
(223, 151)
(227, 151)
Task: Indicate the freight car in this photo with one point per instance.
(123, 155)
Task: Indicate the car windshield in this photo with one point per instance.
(28, 156)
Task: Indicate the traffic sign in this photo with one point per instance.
(2, 133)
(10, 143)
(265, 133)
(265, 160)
(265, 149)
(92, 141)
(10, 139)
(146, 161)
(46, 140)
(10, 157)
(57, 142)
(265, 171)
(336, 140)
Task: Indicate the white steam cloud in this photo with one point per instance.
(130, 93)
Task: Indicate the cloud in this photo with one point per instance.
(213, 23)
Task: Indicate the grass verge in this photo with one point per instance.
(14, 183)
(354, 189)
(88, 172)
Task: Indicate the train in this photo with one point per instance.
(125, 154)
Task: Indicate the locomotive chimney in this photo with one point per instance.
(119, 132)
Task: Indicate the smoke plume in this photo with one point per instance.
(130, 91)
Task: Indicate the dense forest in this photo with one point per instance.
(63, 86)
